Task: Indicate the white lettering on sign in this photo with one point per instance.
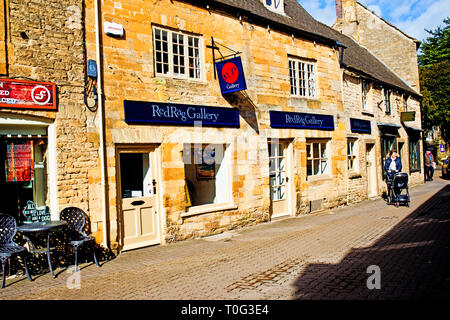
(40, 95)
(232, 86)
(4, 93)
(8, 100)
(307, 120)
(191, 113)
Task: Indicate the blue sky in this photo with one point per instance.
(410, 16)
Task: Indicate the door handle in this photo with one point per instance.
(137, 203)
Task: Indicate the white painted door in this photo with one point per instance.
(140, 217)
(278, 175)
(371, 171)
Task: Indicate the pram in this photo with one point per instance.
(396, 185)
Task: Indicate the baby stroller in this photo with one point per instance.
(396, 185)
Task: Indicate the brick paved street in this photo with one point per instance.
(320, 256)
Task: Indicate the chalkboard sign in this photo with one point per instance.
(33, 214)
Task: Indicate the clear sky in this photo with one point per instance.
(410, 16)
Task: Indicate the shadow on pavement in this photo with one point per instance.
(413, 259)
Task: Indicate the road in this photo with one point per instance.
(401, 253)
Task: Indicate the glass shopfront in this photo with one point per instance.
(23, 173)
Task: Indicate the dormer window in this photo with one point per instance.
(276, 6)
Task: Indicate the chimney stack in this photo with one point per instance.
(339, 9)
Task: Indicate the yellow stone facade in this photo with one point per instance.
(128, 73)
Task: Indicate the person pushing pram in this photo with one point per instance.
(396, 180)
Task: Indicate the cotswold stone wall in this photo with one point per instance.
(397, 50)
(357, 183)
(129, 74)
(44, 42)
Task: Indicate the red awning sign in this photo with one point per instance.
(20, 94)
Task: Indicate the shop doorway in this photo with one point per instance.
(371, 171)
(138, 192)
(279, 173)
(23, 171)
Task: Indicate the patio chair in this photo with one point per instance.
(8, 248)
(76, 219)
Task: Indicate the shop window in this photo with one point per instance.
(302, 78)
(352, 154)
(206, 170)
(23, 175)
(414, 154)
(387, 101)
(365, 91)
(317, 157)
(177, 54)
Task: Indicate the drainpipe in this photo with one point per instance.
(102, 153)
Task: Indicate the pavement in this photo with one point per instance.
(368, 251)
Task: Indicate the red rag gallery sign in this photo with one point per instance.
(21, 94)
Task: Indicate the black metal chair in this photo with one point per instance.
(76, 219)
(8, 248)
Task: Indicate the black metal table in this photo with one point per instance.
(44, 227)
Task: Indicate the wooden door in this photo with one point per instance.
(139, 206)
(278, 174)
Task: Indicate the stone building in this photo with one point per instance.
(184, 159)
(45, 152)
(380, 93)
(210, 115)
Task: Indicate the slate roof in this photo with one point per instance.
(356, 57)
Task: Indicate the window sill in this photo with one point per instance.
(322, 177)
(368, 113)
(305, 98)
(159, 77)
(354, 175)
(208, 208)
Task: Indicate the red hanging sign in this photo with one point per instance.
(20, 94)
(19, 161)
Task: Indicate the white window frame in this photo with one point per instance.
(198, 69)
(352, 154)
(310, 157)
(227, 198)
(387, 100)
(303, 78)
(365, 95)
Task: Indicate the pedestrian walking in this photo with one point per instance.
(430, 165)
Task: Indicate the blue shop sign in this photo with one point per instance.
(231, 75)
(142, 112)
(280, 119)
(360, 126)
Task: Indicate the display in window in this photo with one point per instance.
(19, 161)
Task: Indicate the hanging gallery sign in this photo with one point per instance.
(297, 120)
(21, 94)
(231, 75)
(141, 112)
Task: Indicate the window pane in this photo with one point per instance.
(316, 166)
(323, 149)
(309, 167)
(281, 192)
(281, 178)
(316, 150)
(323, 167)
(308, 151)
(273, 193)
(281, 163)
